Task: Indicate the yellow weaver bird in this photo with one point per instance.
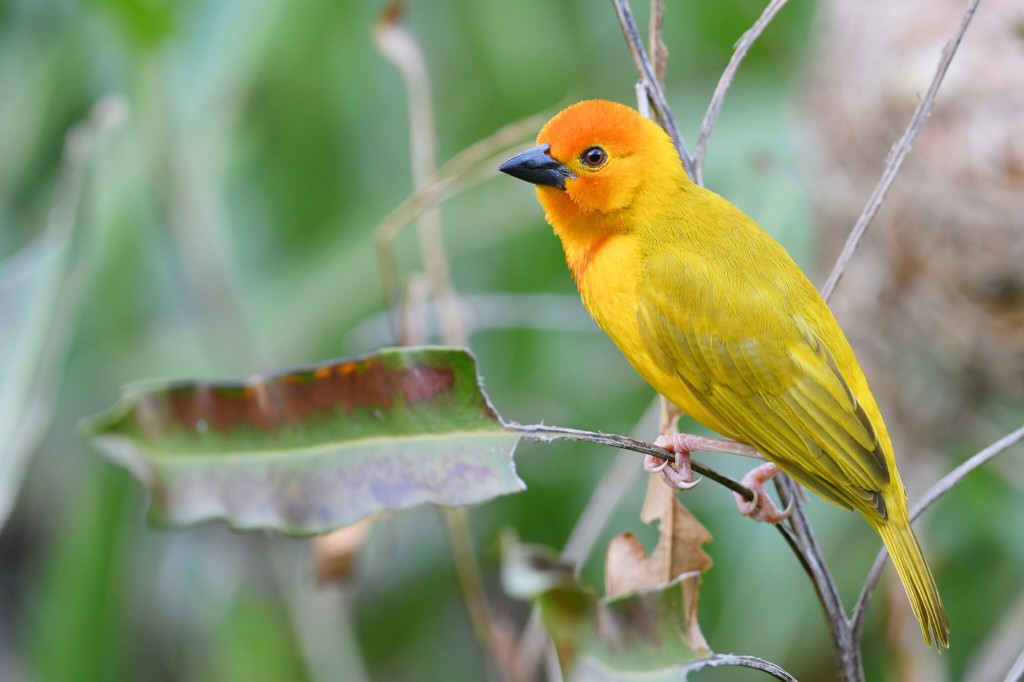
(717, 317)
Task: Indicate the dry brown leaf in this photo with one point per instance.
(628, 568)
(334, 554)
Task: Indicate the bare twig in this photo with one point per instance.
(943, 486)
(849, 667)
(898, 155)
(650, 80)
(719, 660)
(947, 482)
(725, 82)
(846, 632)
(656, 46)
(546, 434)
(798, 534)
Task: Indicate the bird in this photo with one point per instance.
(720, 320)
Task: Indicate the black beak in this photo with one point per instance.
(537, 166)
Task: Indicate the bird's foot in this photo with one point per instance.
(677, 473)
(761, 508)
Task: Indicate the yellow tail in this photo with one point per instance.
(916, 576)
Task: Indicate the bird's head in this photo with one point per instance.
(595, 160)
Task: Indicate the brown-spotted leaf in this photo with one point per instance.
(310, 450)
(679, 552)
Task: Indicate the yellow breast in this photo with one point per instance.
(608, 273)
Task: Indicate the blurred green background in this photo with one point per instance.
(226, 227)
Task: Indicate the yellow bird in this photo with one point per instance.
(717, 317)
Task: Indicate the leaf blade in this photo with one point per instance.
(309, 450)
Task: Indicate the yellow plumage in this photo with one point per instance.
(719, 319)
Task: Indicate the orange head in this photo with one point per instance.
(598, 162)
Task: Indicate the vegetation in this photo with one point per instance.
(193, 189)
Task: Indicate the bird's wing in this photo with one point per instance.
(758, 367)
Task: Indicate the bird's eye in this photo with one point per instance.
(594, 157)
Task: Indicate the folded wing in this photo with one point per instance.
(758, 366)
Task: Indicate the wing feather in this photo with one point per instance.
(766, 378)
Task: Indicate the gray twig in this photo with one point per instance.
(725, 82)
(897, 156)
(798, 534)
(943, 486)
(544, 434)
(848, 659)
(720, 660)
(650, 80)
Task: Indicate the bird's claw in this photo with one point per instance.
(676, 474)
(652, 468)
(761, 507)
(677, 481)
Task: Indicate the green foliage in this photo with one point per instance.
(226, 228)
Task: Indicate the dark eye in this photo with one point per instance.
(594, 157)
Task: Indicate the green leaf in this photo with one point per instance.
(306, 451)
(30, 296)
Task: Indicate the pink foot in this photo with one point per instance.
(677, 474)
(761, 508)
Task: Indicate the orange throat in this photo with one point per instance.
(579, 260)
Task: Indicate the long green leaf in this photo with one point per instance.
(310, 450)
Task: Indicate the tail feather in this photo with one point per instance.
(917, 579)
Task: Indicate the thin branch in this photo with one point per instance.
(725, 82)
(953, 478)
(898, 155)
(848, 661)
(545, 434)
(798, 534)
(720, 660)
(656, 46)
(650, 80)
(611, 490)
(943, 486)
